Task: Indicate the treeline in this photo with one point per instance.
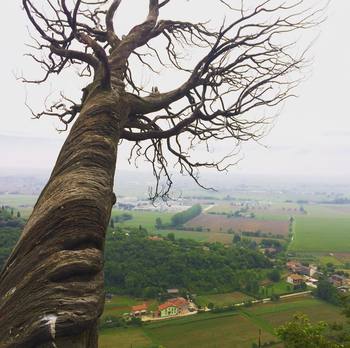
(10, 218)
(261, 234)
(186, 215)
(11, 224)
(8, 239)
(120, 218)
(138, 266)
(179, 219)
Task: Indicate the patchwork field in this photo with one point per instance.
(264, 211)
(221, 223)
(236, 329)
(205, 330)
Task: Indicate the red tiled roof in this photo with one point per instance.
(296, 277)
(179, 301)
(166, 305)
(139, 308)
(175, 302)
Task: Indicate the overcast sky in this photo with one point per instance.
(311, 136)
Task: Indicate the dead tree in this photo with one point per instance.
(51, 288)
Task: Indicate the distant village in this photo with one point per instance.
(308, 276)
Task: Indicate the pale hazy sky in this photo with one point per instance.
(311, 136)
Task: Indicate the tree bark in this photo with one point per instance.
(51, 289)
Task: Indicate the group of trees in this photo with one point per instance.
(139, 266)
(10, 218)
(120, 218)
(11, 223)
(179, 219)
(300, 332)
(327, 292)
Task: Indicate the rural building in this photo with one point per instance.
(167, 309)
(292, 265)
(295, 279)
(155, 238)
(337, 280)
(344, 288)
(173, 307)
(270, 251)
(173, 292)
(298, 268)
(139, 310)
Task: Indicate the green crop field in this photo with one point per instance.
(205, 330)
(276, 314)
(221, 300)
(317, 234)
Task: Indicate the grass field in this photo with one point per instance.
(237, 329)
(146, 219)
(279, 288)
(316, 234)
(222, 300)
(275, 314)
(205, 330)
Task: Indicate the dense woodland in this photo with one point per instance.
(11, 224)
(140, 266)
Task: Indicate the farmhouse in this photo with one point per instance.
(295, 279)
(337, 280)
(139, 310)
(292, 265)
(173, 307)
(298, 268)
(173, 292)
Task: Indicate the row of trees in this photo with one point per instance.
(179, 219)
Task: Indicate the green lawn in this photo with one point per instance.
(119, 305)
(316, 234)
(221, 300)
(281, 287)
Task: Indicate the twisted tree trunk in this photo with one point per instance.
(51, 289)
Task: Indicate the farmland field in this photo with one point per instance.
(316, 234)
(275, 314)
(263, 211)
(220, 223)
(235, 329)
(205, 330)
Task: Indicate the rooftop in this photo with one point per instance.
(139, 308)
